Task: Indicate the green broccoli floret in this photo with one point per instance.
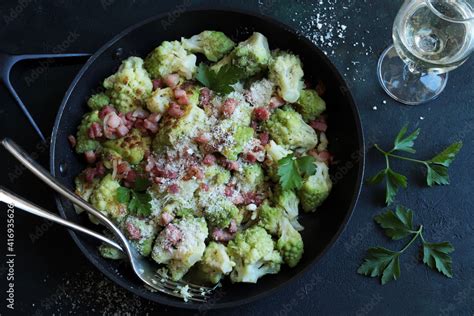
(180, 254)
(131, 147)
(160, 100)
(218, 210)
(287, 128)
(214, 45)
(288, 201)
(168, 58)
(105, 200)
(290, 243)
(141, 232)
(250, 178)
(98, 101)
(130, 86)
(175, 131)
(241, 135)
(316, 188)
(310, 105)
(83, 142)
(286, 71)
(253, 252)
(252, 56)
(110, 252)
(215, 262)
(270, 217)
(216, 174)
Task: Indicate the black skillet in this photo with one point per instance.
(345, 134)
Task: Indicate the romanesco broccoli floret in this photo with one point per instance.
(84, 188)
(131, 147)
(98, 101)
(274, 153)
(316, 188)
(286, 71)
(83, 142)
(254, 255)
(288, 201)
(310, 105)
(241, 135)
(180, 245)
(141, 232)
(168, 58)
(287, 128)
(130, 86)
(214, 45)
(290, 243)
(216, 174)
(251, 55)
(218, 210)
(250, 178)
(270, 217)
(105, 199)
(215, 262)
(110, 252)
(160, 100)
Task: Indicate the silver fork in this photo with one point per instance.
(143, 267)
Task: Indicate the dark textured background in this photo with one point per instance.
(52, 276)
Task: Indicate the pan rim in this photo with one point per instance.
(155, 297)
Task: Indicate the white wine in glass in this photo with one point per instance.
(431, 37)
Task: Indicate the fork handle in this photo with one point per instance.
(19, 202)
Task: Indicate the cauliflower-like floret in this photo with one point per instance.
(274, 152)
(84, 188)
(131, 147)
(316, 188)
(287, 128)
(160, 100)
(141, 232)
(286, 71)
(105, 200)
(215, 262)
(219, 211)
(251, 55)
(216, 174)
(288, 201)
(175, 131)
(250, 178)
(270, 217)
(310, 105)
(253, 252)
(290, 243)
(243, 111)
(260, 92)
(180, 245)
(83, 142)
(177, 204)
(130, 86)
(214, 45)
(98, 101)
(168, 58)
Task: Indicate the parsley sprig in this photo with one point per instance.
(291, 171)
(221, 81)
(385, 263)
(137, 201)
(437, 167)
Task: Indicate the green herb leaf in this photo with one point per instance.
(141, 184)
(381, 262)
(437, 174)
(306, 165)
(378, 177)
(436, 256)
(123, 195)
(221, 81)
(447, 156)
(288, 172)
(398, 224)
(403, 143)
(140, 204)
(394, 181)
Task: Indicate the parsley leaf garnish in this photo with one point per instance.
(437, 167)
(291, 171)
(385, 263)
(137, 203)
(123, 195)
(221, 81)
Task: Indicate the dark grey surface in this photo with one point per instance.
(51, 275)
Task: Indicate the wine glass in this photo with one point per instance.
(430, 38)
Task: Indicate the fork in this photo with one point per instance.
(143, 268)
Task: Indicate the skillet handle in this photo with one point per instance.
(6, 64)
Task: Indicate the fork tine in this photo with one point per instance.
(191, 285)
(173, 285)
(172, 293)
(194, 294)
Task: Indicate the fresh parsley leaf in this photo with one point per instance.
(140, 204)
(378, 177)
(306, 165)
(123, 195)
(141, 184)
(447, 156)
(436, 256)
(397, 224)
(394, 182)
(403, 143)
(222, 81)
(437, 174)
(381, 262)
(288, 172)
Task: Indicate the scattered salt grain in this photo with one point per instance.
(374, 108)
(422, 118)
